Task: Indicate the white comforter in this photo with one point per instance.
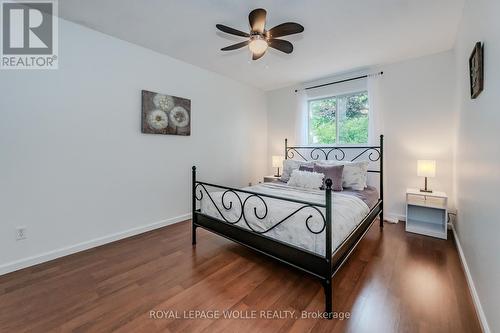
(348, 212)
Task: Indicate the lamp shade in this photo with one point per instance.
(277, 161)
(426, 168)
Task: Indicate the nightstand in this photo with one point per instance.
(270, 179)
(427, 213)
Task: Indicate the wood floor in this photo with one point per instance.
(394, 282)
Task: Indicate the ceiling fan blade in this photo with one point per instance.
(257, 19)
(285, 29)
(256, 56)
(231, 31)
(281, 45)
(235, 46)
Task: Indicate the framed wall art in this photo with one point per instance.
(165, 114)
(476, 70)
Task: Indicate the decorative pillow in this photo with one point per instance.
(306, 179)
(355, 173)
(290, 165)
(333, 172)
(307, 167)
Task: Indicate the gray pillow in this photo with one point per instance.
(290, 165)
(333, 172)
(306, 167)
(355, 173)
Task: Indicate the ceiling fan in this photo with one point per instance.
(259, 39)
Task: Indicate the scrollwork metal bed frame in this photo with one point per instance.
(322, 267)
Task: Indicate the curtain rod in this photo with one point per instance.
(341, 81)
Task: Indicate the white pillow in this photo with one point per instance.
(306, 179)
(355, 173)
(290, 165)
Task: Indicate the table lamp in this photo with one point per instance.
(426, 168)
(277, 161)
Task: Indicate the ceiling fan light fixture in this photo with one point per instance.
(260, 39)
(258, 45)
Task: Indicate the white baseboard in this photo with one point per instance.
(472, 287)
(54, 254)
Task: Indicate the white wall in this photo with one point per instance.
(281, 122)
(418, 116)
(75, 167)
(478, 156)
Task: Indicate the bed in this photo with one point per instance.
(309, 229)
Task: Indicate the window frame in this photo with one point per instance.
(337, 132)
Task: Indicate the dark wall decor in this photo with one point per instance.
(164, 114)
(476, 70)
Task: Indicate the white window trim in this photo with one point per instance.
(336, 144)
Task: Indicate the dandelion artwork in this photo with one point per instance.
(164, 114)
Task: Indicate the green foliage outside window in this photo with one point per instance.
(322, 122)
(352, 123)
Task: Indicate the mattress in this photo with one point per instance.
(369, 195)
(262, 213)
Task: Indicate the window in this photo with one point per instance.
(339, 119)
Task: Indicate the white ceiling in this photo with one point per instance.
(339, 35)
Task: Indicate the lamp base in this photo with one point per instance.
(278, 174)
(425, 189)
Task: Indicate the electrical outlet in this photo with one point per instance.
(20, 233)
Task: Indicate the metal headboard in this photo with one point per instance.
(316, 153)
